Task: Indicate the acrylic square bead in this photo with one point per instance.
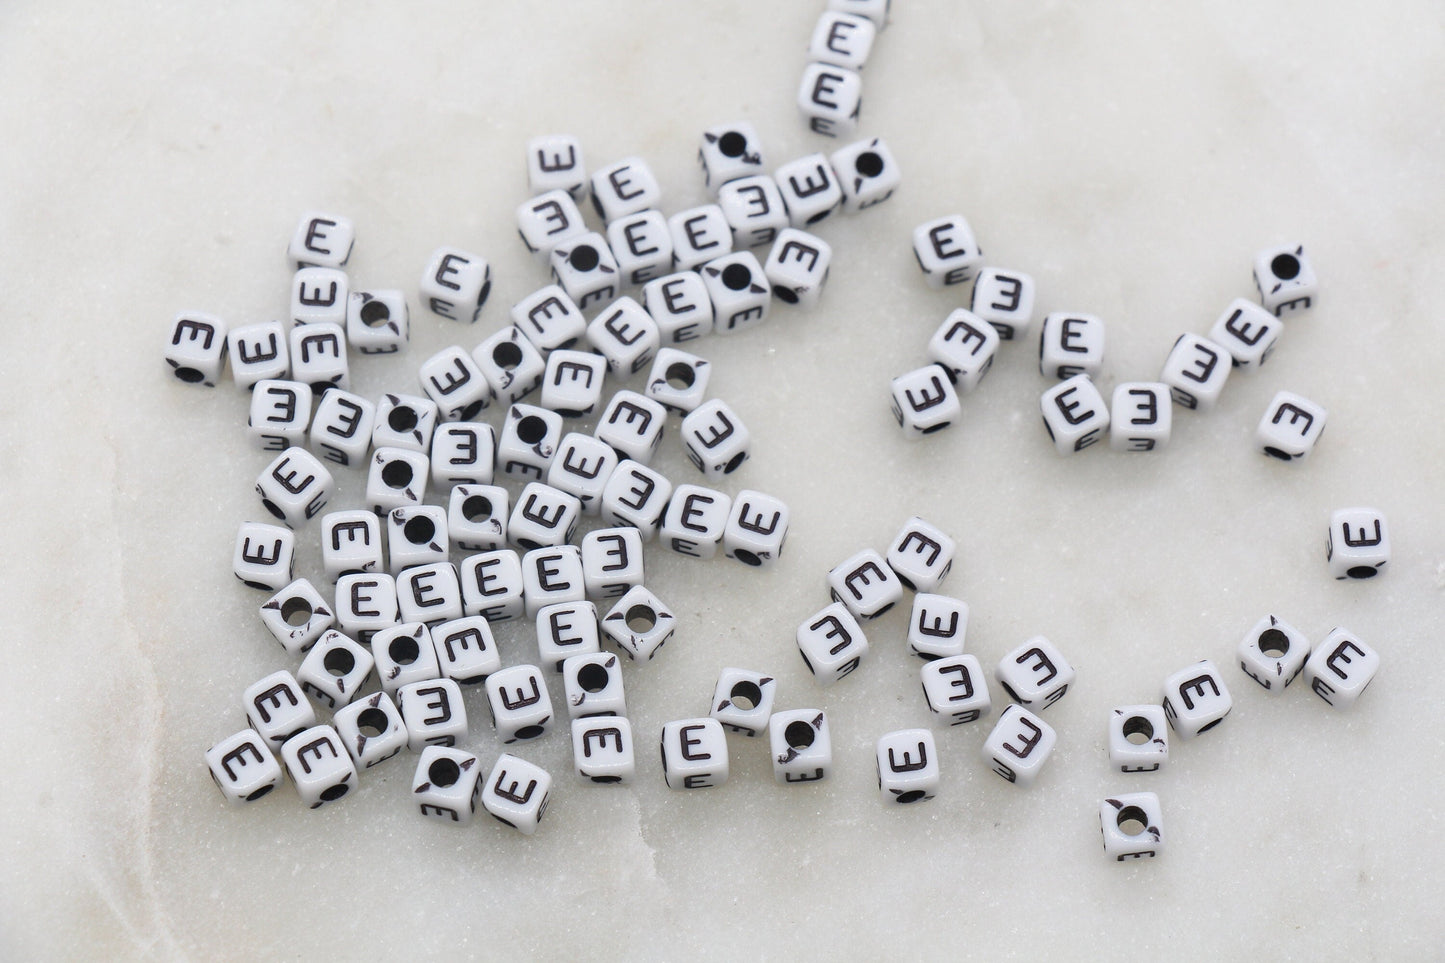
(842, 39)
(738, 290)
(555, 162)
(956, 689)
(1340, 668)
(335, 669)
(1273, 653)
(429, 593)
(295, 487)
(258, 352)
(1138, 738)
(433, 713)
(923, 401)
(527, 442)
(454, 382)
(699, 234)
(318, 356)
(243, 767)
(341, 428)
(516, 793)
(404, 421)
(625, 334)
(1131, 824)
(1035, 674)
(611, 561)
(865, 584)
(551, 575)
(694, 754)
(715, 439)
(631, 425)
(396, 478)
(742, 700)
(908, 770)
(727, 152)
(694, 521)
(639, 624)
(263, 556)
(1285, 279)
(680, 305)
(377, 322)
(1005, 299)
(511, 364)
(319, 296)
(1071, 344)
(797, 267)
(564, 630)
(832, 643)
(446, 784)
(372, 730)
(965, 346)
(549, 319)
(319, 765)
(1075, 415)
(543, 516)
(521, 708)
(547, 220)
(296, 616)
(754, 209)
(678, 380)
(365, 603)
(602, 749)
(1140, 417)
(947, 252)
(801, 746)
(592, 685)
(1358, 543)
(463, 453)
(1019, 745)
(572, 383)
(756, 529)
(867, 172)
(1195, 372)
(624, 187)
(830, 99)
(1290, 427)
(350, 542)
(810, 189)
(581, 468)
(455, 284)
(280, 414)
(492, 585)
(936, 626)
(277, 708)
(921, 555)
(1248, 332)
(636, 495)
(477, 517)
(466, 650)
(643, 246)
(1196, 699)
(322, 240)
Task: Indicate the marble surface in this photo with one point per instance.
(1132, 156)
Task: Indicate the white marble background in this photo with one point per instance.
(1132, 156)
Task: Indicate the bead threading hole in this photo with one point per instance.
(476, 508)
(296, 612)
(444, 773)
(531, 429)
(335, 792)
(1273, 643)
(735, 277)
(404, 650)
(732, 144)
(507, 355)
(746, 695)
(372, 722)
(339, 662)
(799, 735)
(1132, 821)
(419, 529)
(396, 474)
(680, 376)
(641, 618)
(1138, 730)
(1285, 267)
(402, 418)
(592, 677)
(868, 164)
(583, 257)
(374, 313)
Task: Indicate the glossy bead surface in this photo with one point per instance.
(1138, 738)
(276, 708)
(801, 746)
(738, 290)
(678, 380)
(947, 252)
(335, 669)
(404, 654)
(936, 626)
(446, 784)
(295, 486)
(625, 334)
(632, 425)
(865, 584)
(1248, 332)
(642, 244)
(694, 521)
(612, 561)
(527, 442)
(956, 689)
(433, 713)
(867, 172)
(810, 189)
(694, 754)
(727, 152)
(965, 346)
(1075, 415)
(832, 643)
(1358, 543)
(680, 305)
(756, 529)
(639, 624)
(636, 495)
(743, 700)
(519, 702)
(624, 187)
(463, 453)
(341, 428)
(921, 555)
(715, 439)
(258, 352)
(1195, 372)
(377, 322)
(318, 296)
(923, 401)
(1071, 344)
(592, 685)
(416, 535)
(1285, 279)
(830, 99)
(797, 267)
(280, 414)
(404, 421)
(551, 575)
(319, 766)
(516, 793)
(542, 517)
(1140, 417)
(321, 240)
(455, 284)
(365, 603)
(842, 39)
(1019, 745)
(908, 770)
(547, 220)
(1036, 674)
(572, 382)
(371, 729)
(602, 749)
(466, 650)
(555, 162)
(511, 364)
(263, 556)
(1005, 299)
(550, 319)
(477, 517)
(318, 356)
(564, 630)
(296, 616)
(1132, 826)
(699, 234)
(243, 767)
(1290, 427)
(1196, 699)
(581, 468)
(429, 593)
(1272, 653)
(492, 585)
(1340, 668)
(396, 478)
(754, 209)
(453, 381)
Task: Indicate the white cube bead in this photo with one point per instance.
(455, 284)
(416, 535)
(350, 542)
(1196, 699)
(865, 584)
(547, 220)
(296, 616)
(829, 99)
(937, 625)
(923, 401)
(1019, 745)
(322, 240)
(319, 765)
(477, 517)
(258, 352)
(624, 187)
(636, 495)
(842, 39)
(527, 442)
(492, 585)
(564, 630)
(1138, 738)
(592, 685)
(466, 651)
(1140, 417)
(742, 700)
(875, 10)
(956, 689)
(1074, 414)
(625, 334)
(642, 244)
(754, 209)
(581, 468)
(280, 414)
(550, 319)
(341, 427)
(365, 603)
(694, 754)
(429, 593)
(446, 784)
(1340, 668)
(555, 162)
(921, 555)
(1005, 299)
(551, 575)
(1285, 279)
(728, 152)
(1358, 544)
(908, 769)
(801, 746)
(404, 654)
(511, 364)
(694, 521)
(1071, 344)
(335, 669)
(396, 478)
(404, 421)
(264, 555)
(1195, 372)
(542, 517)
(1131, 826)
(699, 234)
(1290, 427)
(612, 561)
(318, 296)
(433, 713)
(1248, 332)
(371, 729)
(318, 356)
(632, 425)
(810, 189)
(295, 486)
(277, 709)
(463, 453)
(678, 380)
(1035, 674)
(1273, 653)
(797, 267)
(867, 172)
(832, 643)
(947, 252)
(521, 707)
(243, 767)
(964, 345)
(639, 624)
(196, 348)
(516, 793)
(377, 322)
(715, 439)
(680, 305)
(602, 749)
(756, 529)
(586, 270)
(738, 290)
(572, 382)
